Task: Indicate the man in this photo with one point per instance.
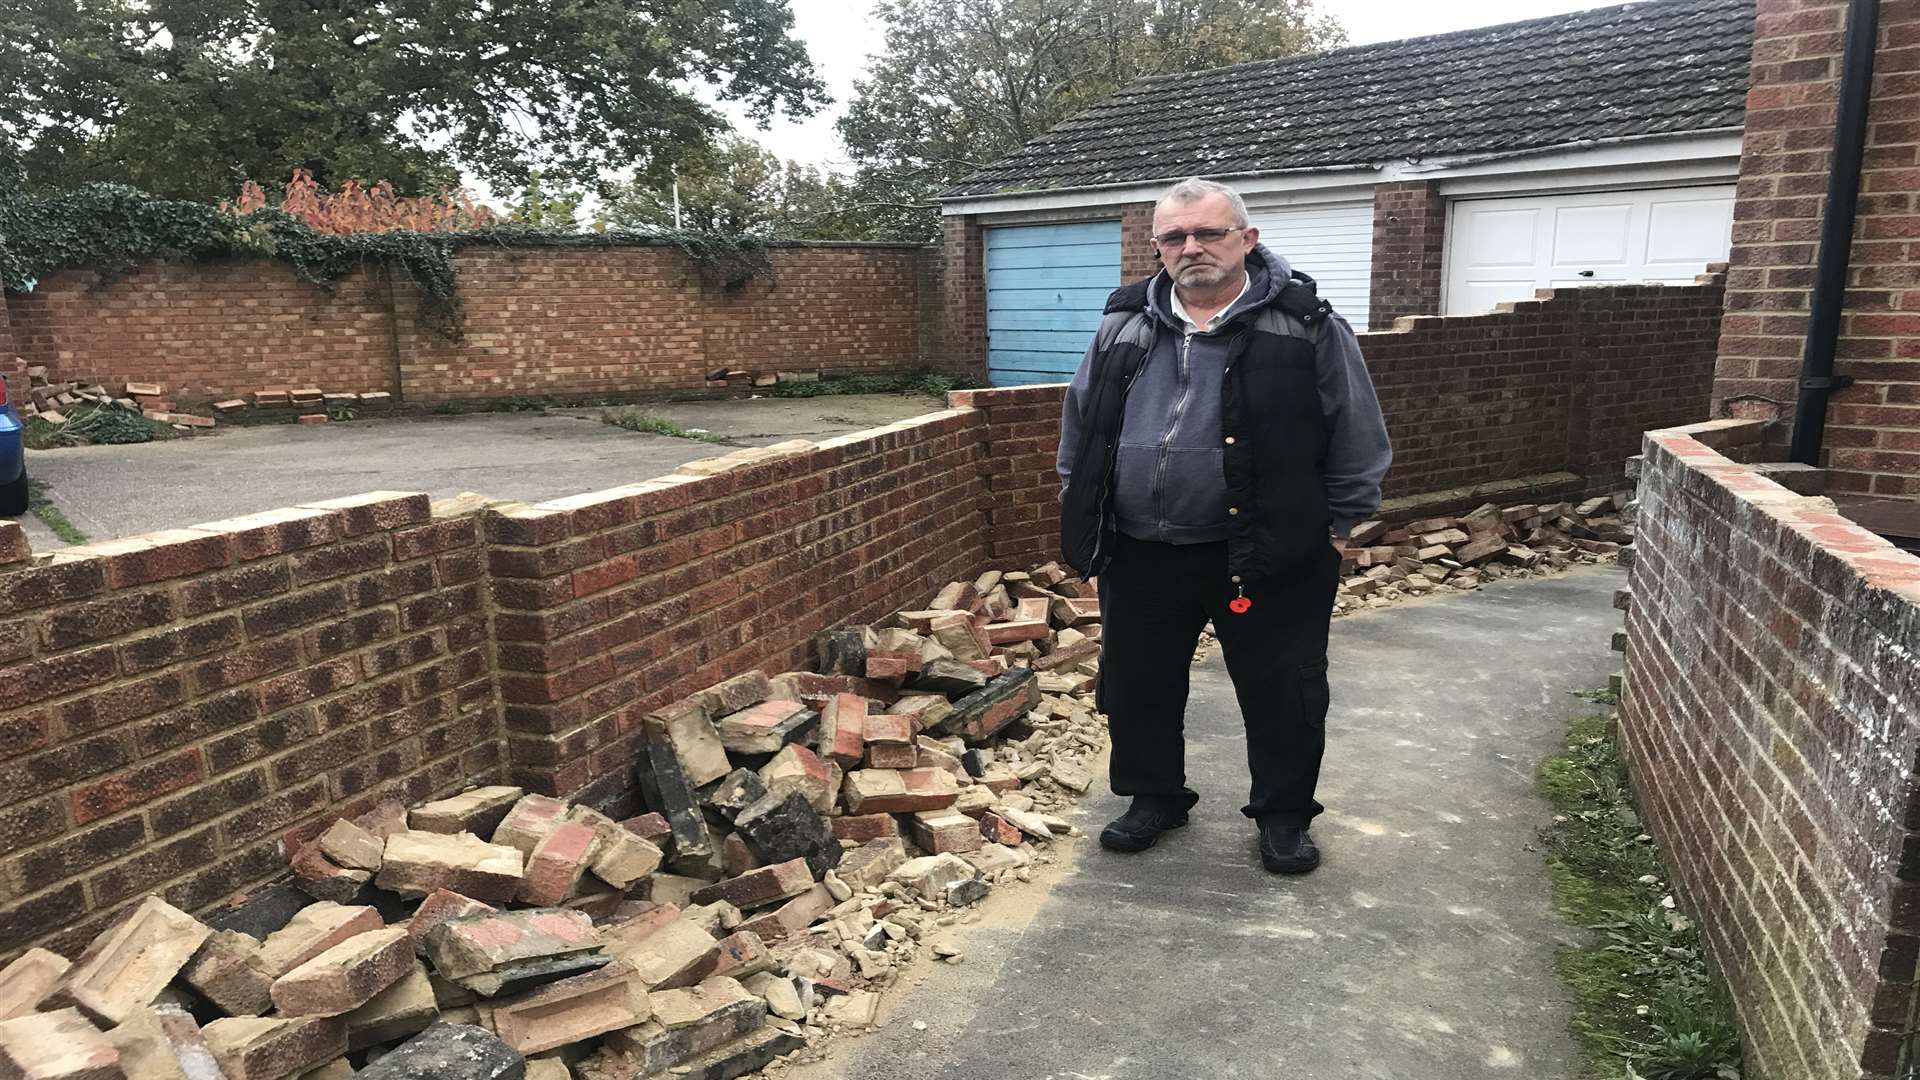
(1218, 442)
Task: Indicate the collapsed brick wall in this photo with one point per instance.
(175, 709)
(1562, 384)
(634, 319)
(171, 705)
(617, 602)
(1871, 442)
(1770, 722)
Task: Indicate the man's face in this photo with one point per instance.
(1190, 262)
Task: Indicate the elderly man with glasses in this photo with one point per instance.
(1219, 440)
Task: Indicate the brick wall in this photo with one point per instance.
(210, 330)
(172, 706)
(1564, 384)
(617, 602)
(1872, 443)
(1409, 238)
(1022, 510)
(6, 332)
(965, 278)
(1770, 721)
(1137, 257)
(537, 321)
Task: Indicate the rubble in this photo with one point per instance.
(806, 834)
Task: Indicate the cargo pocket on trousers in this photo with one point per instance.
(1315, 695)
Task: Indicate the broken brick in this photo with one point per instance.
(26, 982)
(764, 728)
(505, 943)
(404, 1008)
(268, 1048)
(130, 963)
(800, 768)
(161, 1043)
(738, 955)
(783, 825)
(860, 828)
(669, 790)
(346, 976)
(439, 906)
(448, 1052)
(661, 950)
(553, 872)
(938, 831)
(792, 917)
(312, 931)
(529, 822)
(686, 729)
(891, 791)
(930, 875)
(417, 863)
(739, 692)
(573, 1009)
(999, 830)
(842, 737)
(479, 811)
(758, 888)
(621, 858)
(230, 970)
(979, 715)
(869, 864)
(60, 1045)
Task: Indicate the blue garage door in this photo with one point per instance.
(1046, 285)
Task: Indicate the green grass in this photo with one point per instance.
(634, 418)
(1645, 1005)
(93, 426)
(40, 504)
(923, 383)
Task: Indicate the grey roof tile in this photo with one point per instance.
(1654, 68)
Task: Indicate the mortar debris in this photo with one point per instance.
(809, 836)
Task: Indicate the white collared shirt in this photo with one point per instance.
(1180, 310)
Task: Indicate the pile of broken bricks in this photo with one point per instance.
(811, 833)
(309, 404)
(1386, 563)
(53, 401)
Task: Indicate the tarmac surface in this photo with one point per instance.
(1422, 949)
(114, 491)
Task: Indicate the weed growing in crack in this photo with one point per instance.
(1646, 1007)
(40, 504)
(634, 418)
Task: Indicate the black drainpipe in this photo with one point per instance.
(1817, 380)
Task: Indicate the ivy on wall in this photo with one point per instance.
(112, 229)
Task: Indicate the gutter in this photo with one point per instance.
(1817, 379)
(1410, 168)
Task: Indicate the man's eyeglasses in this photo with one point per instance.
(1178, 238)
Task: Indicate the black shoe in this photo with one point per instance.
(1286, 848)
(1139, 827)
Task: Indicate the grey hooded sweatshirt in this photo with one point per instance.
(1169, 481)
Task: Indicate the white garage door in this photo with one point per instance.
(1504, 249)
(1331, 244)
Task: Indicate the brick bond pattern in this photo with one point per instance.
(537, 321)
(1873, 434)
(1409, 242)
(171, 704)
(1770, 722)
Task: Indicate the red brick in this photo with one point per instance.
(103, 798)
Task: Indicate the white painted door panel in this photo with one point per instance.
(1504, 249)
(1332, 244)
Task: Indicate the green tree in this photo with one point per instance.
(737, 188)
(962, 82)
(188, 97)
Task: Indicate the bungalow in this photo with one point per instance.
(1434, 175)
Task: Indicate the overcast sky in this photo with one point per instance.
(841, 38)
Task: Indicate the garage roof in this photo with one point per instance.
(1656, 68)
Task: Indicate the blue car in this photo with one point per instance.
(13, 458)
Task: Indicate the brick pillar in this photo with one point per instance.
(965, 285)
(1795, 86)
(930, 311)
(1137, 259)
(1409, 229)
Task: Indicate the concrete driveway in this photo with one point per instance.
(112, 491)
(1422, 950)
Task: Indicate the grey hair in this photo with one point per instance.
(1193, 189)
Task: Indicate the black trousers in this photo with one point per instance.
(1154, 601)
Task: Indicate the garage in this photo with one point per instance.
(1504, 249)
(1046, 287)
(1333, 244)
